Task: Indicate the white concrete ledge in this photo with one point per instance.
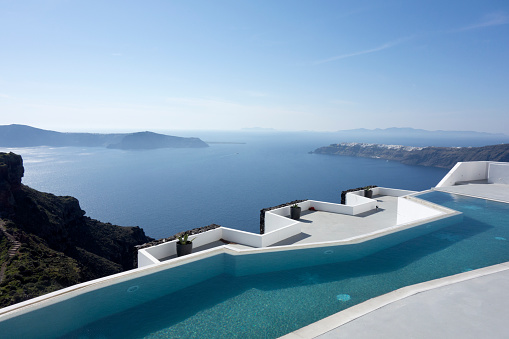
(493, 172)
(335, 321)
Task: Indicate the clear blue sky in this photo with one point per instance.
(289, 65)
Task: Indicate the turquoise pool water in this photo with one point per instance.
(238, 301)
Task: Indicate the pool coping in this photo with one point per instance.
(337, 320)
(341, 318)
(71, 291)
(445, 190)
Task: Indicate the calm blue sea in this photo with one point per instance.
(166, 191)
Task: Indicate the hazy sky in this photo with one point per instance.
(290, 65)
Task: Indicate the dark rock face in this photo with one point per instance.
(11, 168)
(11, 172)
(50, 226)
(444, 157)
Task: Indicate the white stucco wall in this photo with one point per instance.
(465, 171)
(410, 211)
(354, 198)
(275, 221)
(152, 255)
(359, 203)
(281, 234)
(162, 250)
(333, 208)
(393, 192)
(241, 237)
(146, 259)
(498, 173)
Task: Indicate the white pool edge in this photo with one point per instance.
(69, 292)
(341, 318)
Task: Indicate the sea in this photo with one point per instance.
(166, 191)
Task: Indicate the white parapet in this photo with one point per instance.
(392, 192)
(410, 210)
(466, 171)
(278, 219)
(332, 208)
(498, 173)
(278, 226)
(157, 253)
(242, 237)
(359, 203)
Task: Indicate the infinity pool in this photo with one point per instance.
(243, 297)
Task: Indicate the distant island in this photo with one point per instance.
(443, 157)
(150, 140)
(47, 243)
(27, 136)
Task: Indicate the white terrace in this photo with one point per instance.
(479, 179)
(324, 223)
(321, 223)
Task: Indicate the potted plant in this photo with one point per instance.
(184, 245)
(295, 212)
(368, 193)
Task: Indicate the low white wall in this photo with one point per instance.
(281, 234)
(145, 259)
(359, 193)
(411, 211)
(365, 207)
(153, 255)
(332, 208)
(498, 173)
(206, 237)
(465, 171)
(354, 198)
(275, 221)
(285, 211)
(241, 237)
(392, 192)
(359, 203)
(162, 250)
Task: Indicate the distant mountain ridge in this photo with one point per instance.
(420, 137)
(417, 131)
(444, 157)
(27, 136)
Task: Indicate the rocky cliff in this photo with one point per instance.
(47, 243)
(444, 157)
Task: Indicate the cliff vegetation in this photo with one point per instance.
(47, 243)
